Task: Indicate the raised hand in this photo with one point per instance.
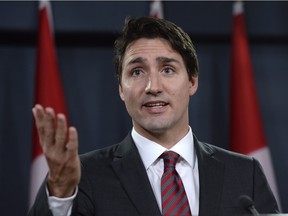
(60, 147)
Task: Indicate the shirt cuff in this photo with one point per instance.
(61, 206)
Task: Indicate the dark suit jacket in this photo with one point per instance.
(114, 182)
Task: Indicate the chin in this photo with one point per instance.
(156, 129)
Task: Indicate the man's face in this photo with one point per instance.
(155, 87)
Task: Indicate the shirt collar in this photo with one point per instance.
(150, 151)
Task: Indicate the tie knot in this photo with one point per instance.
(170, 159)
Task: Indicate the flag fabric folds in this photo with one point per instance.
(246, 127)
(156, 9)
(48, 91)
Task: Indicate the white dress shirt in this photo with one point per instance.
(187, 168)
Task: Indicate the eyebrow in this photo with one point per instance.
(136, 60)
(160, 59)
(163, 59)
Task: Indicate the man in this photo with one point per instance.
(157, 69)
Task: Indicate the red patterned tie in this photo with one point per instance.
(174, 199)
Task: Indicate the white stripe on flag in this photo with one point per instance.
(156, 9)
(39, 169)
(264, 157)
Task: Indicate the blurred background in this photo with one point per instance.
(84, 34)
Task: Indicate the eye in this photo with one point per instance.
(136, 72)
(168, 70)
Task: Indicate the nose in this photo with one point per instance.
(153, 85)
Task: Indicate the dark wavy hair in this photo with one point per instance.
(149, 27)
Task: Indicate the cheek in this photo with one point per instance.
(181, 90)
(124, 89)
(126, 84)
(127, 93)
(133, 88)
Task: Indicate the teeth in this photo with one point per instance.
(156, 104)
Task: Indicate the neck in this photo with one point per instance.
(166, 138)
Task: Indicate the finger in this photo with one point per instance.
(49, 127)
(72, 144)
(61, 132)
(37, 108)
(38, 113)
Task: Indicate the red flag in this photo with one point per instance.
(156, 9)
(246, 127)
(48, 90)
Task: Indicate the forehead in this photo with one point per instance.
(145, 47)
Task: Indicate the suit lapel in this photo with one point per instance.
(211, 177)
(132, 174)
(128, 166)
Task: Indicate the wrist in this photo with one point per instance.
(60, 191)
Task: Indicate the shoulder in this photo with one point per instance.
(109, 153)
(221, 152)
(237, 167)
(227, 157)
(104, 154)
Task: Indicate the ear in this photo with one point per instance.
(121, 93)
(193, 85)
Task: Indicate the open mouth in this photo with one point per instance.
(155, 104)
(156, 107)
